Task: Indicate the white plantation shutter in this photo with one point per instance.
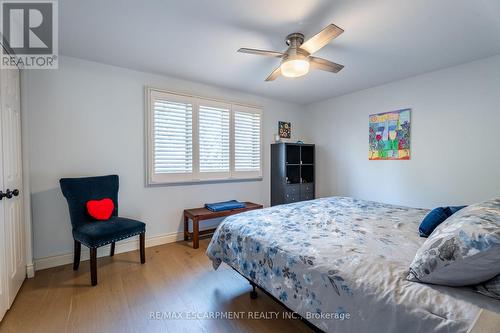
(247, 141)
(213, 129)
(172, 131)
(192, 139)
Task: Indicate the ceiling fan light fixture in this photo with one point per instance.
(295, 67)
(298, 59)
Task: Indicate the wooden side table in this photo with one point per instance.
(200, 214)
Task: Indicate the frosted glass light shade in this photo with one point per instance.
(295, 68)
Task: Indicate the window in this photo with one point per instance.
(213, 129)
(173, 137)
(247, 140)
(194, 139)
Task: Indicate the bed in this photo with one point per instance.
(341, 264)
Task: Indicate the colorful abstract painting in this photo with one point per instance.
(389, 136)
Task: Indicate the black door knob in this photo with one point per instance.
(9, 194)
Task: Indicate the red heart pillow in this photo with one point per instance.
(100, 209)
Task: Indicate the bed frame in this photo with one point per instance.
(253, 295)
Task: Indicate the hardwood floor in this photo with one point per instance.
(175, 278)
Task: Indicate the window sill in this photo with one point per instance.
(205, 181)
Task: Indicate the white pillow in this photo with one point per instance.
(463, 250)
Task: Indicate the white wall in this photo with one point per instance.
(88, 119)
(455, 139)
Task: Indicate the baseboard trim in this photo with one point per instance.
(30, 270)
(127, 245)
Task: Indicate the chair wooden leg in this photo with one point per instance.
(142, 245)
(93, 266)
(112, 250)
(76, 255)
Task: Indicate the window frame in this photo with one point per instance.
(196, 177)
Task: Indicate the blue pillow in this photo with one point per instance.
(435, 218)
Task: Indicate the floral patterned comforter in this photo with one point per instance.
(342, 263)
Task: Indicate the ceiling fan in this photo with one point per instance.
(297, 59)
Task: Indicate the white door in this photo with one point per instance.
(13, 221)
(4, 295)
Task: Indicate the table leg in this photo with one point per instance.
(186, 228)
(196, 236)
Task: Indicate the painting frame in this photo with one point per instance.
(389, 135)
(285, 129)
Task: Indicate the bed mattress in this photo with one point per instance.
(342, 263)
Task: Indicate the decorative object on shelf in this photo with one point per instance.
(285, 129)
(300, 142)
(389, 135)
(277, 138)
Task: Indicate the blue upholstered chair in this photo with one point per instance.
(90, 232)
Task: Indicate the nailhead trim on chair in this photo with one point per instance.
(117, 239)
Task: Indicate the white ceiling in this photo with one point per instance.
(384, 40)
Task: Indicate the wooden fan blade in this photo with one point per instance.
(322, 38)
(261, 52)
(325, 65)
(274, 74)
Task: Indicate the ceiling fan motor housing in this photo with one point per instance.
(294, 41)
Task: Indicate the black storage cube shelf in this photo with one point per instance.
(292, 173)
